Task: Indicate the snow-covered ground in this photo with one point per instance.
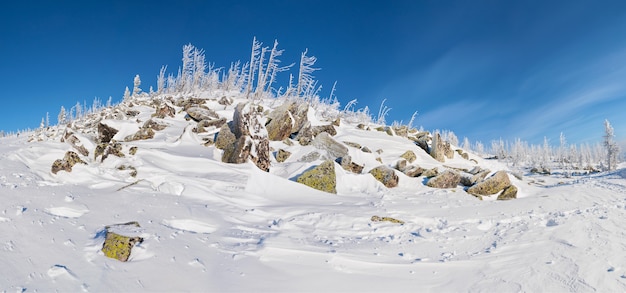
(211, 226)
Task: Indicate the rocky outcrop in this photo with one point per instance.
(447, 179)
(508, 193)
(247, 138)
(106, 149)
(119, 246)
(105, 133)
(409, 156)
(280, 128)
(67, 163)
(286, 119)
(322, 177)
(441, 149)
(282, 155)
(333, 148)
(385, 175)
(492, 185)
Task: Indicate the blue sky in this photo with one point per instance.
(483, 69)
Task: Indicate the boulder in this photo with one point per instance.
(366, 150)
(282, 155)
(106, 149)
(154, 125)
(204, 124)
(385, 175)
(297, 113)
(281, 127)
(105, 133)
(401, 165)
(352, 144)
(260, 156)
(72, 140)
(321, 177)
(132, 151)
(492, 185)
(250, 139)
(116, 244)
(347, 164)
(402, 130)
(225, 138)
(198, 114)
(447, 179)
(508, 193)
(67, 163)
(164, 110)
(414, 171)
(409, 156)
(310, 157)
(334, 149)
(431, 172)
(441, 149)
(307, 133)
(142, 134)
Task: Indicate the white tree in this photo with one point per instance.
(62, 116)
(136, 83)
(254, 57)
(611, 147)
(126, 94)
(306, 83)
(161, 80)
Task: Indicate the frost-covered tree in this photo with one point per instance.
(254, 59)
(306, 82)
(62, 118)
(137, 84)
(161, 80)
(126, 94)
(611, 147)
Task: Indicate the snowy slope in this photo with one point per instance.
(211, 226)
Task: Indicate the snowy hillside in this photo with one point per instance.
(212, 226)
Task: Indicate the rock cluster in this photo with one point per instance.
(67, 163)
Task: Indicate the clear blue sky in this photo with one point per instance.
(484, 69)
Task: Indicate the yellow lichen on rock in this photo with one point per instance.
(321, 177)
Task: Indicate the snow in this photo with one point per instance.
(210, 226)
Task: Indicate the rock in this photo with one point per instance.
(409, 156)
(431, 172)
(164, 110)
(198, 114)
(72, 140)
(385, 175)
(281, 127)
(402, 130)
(250, 139)
(260, 156)
(225, 138)
(307, 133)
(324, 142)
(105, 133)
(189, 102)
(475, 170)
(67, 163)
(347, 164)
(441, 149)
(508, 193)
(154, 125)
(352, 144)
(337, 122)
(366, 150)
(361, 126)
(119, 246)
(225, 101)
(386, 219)
(239, 152)
(414, 171)
(323, 128)
(282, 155)
(142, 134)
(204, 124)
(491, 185)
(132, 151)
(422, 143)
(401, 165)
(288, 142)
(447, 179)
(540, 170)
(106, 149)
(297, 113)
(321, 177)
(310, 157)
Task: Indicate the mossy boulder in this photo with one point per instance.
(322, 177)
(409, 156)
(447, 179)
(385, 175)
(119, 246)
(106, 149)
(508, 193)
(492, 185)
(225, 138)
(67, 163)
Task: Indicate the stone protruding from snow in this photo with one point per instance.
(447, 179)
(118, 246)
(67, 163)
(325, 142)
(409, 156)
(198, 114)
(347, 164)
(164, 111)
(508, 193)
(280, 127)
(106, 149)
(414, 171)
(142, 134)
(72, 140)
(492, 185)
(322, 177)
(247, 138)
(386, 219)
(431, 172)
(282, 155)
(204, 124)
(385, 175)
(440, 149)
(105, 133)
